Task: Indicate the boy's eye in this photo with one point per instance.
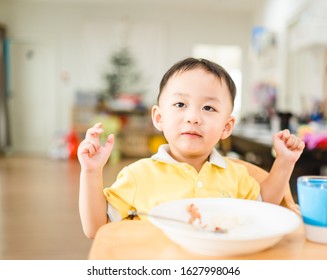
(179, 105)
(209, 108)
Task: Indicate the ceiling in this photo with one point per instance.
(233, 6)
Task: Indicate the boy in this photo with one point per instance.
(194, 109)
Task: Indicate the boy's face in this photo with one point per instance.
(194, 113)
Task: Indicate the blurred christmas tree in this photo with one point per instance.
(123, 76)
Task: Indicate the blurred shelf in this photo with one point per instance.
(136, 135)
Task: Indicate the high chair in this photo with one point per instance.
(260, 174)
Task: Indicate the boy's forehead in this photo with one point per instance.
(190, 73)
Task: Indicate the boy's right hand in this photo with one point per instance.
(91, 155)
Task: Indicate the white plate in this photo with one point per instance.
(252, 225)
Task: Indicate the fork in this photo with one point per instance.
(134, 213)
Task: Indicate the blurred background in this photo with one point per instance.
(66, 64)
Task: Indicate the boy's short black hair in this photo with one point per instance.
(207, 65)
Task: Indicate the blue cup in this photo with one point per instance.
(312, 196)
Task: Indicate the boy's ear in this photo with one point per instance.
(156, 117)
(228, 128)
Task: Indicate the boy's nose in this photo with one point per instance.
(193, 116)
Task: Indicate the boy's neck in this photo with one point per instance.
(196, 162)
(197, 165)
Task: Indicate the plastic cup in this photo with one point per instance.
(312, 197)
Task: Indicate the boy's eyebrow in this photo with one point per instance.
(180, 94)
(207, 98)
(210, 98)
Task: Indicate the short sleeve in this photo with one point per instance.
(248, 188)
(121, 194)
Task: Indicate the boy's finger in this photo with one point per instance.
(298, 144)
(94, 131)
(110, 141)
(284, 135)
(99, 124)
(94, 146)
(291, 141)
(87, 148)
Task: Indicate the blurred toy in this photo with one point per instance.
(315, 140)
(314, 136)
(72, 142)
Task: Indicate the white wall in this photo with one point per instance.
(85, 34)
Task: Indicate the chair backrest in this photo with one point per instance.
(260, 174)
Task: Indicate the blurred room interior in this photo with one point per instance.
(66, 64)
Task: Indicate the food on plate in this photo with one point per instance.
(194, 213)
(196, 219)
(220, 222)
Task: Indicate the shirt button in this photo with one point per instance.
(199, 184)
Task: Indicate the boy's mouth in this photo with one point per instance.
(191, 134)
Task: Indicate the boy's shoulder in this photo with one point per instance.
(152, 165)
(235, 164)
(141, 164)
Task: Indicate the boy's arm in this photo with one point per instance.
(92, 202)
(288, 149)
(274, 186)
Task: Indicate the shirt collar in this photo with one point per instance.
(163, 155)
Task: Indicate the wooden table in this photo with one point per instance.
(140, 240)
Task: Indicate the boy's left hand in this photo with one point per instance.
(288, 146)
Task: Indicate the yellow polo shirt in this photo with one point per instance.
(151, 181)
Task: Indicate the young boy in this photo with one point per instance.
(194, 109)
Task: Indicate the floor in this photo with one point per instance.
(39, 218)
